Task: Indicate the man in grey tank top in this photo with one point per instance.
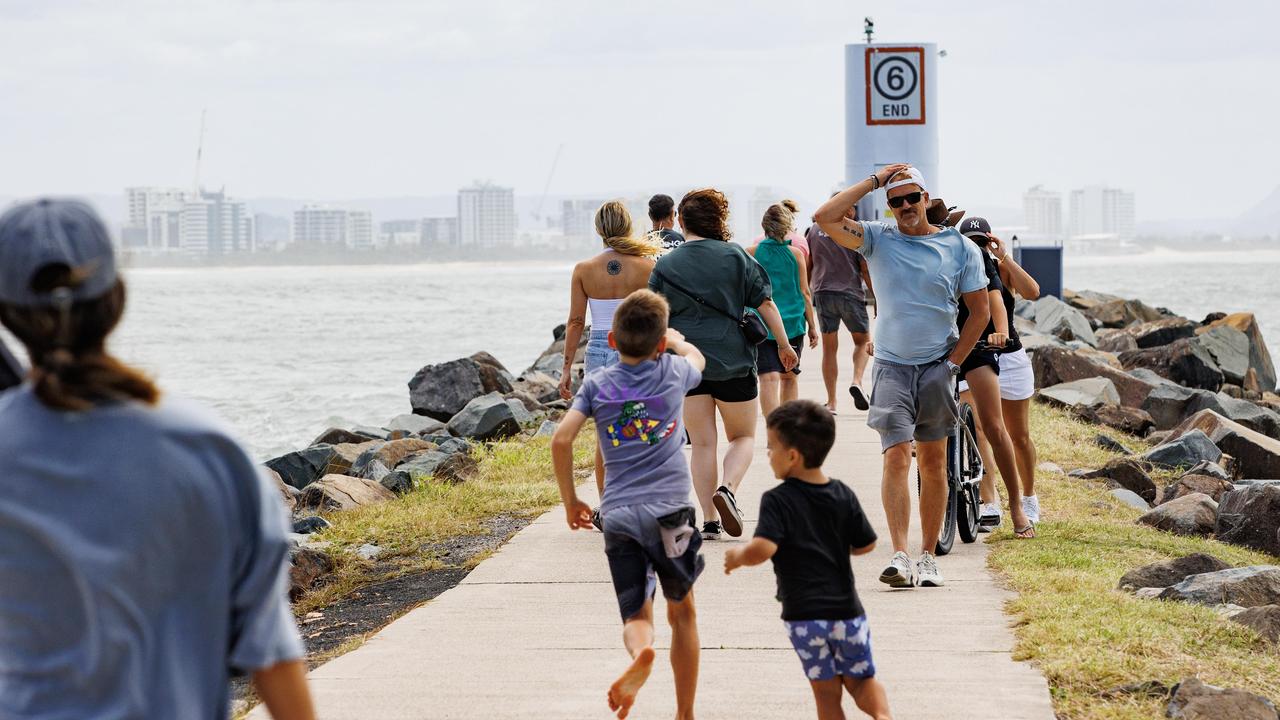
(839, 297)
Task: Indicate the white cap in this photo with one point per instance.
(915, 179)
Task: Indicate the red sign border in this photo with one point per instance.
(867, 81)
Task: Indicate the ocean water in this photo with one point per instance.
(283, 353)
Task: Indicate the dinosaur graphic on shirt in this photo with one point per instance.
(634, 424)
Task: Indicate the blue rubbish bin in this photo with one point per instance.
(1042, 262)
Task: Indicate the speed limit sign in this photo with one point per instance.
(895, 85)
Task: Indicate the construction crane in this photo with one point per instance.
(537, 216)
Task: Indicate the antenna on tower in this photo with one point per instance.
(195, 190)
(868, 27)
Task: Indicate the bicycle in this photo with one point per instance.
(964, 475)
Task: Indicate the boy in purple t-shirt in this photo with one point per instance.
(649, 525)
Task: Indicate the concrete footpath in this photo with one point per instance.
(534, 631)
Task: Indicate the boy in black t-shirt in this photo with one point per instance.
(809, 525)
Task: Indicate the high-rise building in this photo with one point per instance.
(440, 231)
(213, 224)
(400, 233)
(1098, 210)
(270, 232)
(486, 216)
(1043, 212)
(154, 218)
(359, 229)
(578, 218)
(319, 226)
(143, 200)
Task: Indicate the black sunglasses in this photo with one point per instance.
(908, 199)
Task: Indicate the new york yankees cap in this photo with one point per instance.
(47, 232)
(975, 227)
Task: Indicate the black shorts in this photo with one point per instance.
(651, 544)
(740, 389)
(767, 355)
(834, 308)
(980, 358)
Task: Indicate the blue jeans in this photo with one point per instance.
(599, 354)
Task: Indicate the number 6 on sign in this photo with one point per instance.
(895, 86)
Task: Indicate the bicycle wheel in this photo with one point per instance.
(968, 468)
(947, 537)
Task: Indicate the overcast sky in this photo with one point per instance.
(324, 100)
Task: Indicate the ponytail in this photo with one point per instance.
(779, 219)
(613, 223)
(71, 369)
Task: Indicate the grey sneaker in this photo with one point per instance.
(1031, 506)
(927, 574)
(898, 573)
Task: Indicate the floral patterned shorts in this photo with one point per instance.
(828, 648)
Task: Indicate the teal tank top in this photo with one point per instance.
(784, 275)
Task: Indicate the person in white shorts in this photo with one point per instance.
(1017, 385)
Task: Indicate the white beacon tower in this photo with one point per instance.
(891, 114)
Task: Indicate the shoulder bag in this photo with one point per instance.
(752, 327)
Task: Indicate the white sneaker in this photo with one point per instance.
(927, 574)
(989, 517)
(898, 573)
(1031, 506)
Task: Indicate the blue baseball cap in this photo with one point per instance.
(47, 232)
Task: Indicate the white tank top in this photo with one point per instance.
(602, 313)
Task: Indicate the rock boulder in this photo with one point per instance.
(1170, 572)
(494, 377)
(345, 455)
(1250, 586)
(415, 424)
(1265, 620)
(306, 567)
(302, 467)
(1192, 514)
(1161, 332)
(441, 391)
(1129, 474)
(485, 418)
(1195, 700)
(1192, 483)
(1167, 404)
(1259, 356)
(1256, 455)
(1250, 516)
(1056, 318)
(343, 492)
(388, 455)
(1250, 415)
(337, 436)
(1125, 419)
(1230, 350)
(1055, 365)
(1087, 393)
(288, 493)
(1184, 361)
(1119, 313)
(1186, 451)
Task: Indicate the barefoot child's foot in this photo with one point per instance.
(622, 694)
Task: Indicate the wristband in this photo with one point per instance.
(875, 182)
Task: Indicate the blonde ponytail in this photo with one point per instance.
(613, 224)
(779, 219)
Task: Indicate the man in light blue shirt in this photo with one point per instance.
(921, 273)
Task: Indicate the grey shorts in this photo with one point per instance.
(912, 402)
(834, 308)
(652, 544)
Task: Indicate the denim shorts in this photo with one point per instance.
(828, 648)
(834, 308)
(650, 544)
(599, 354)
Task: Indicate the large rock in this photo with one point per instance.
(1062, 321)
(441, 391)
(1259, 357)
(519, 411)
(288, 493)
(1054, 365)
(540, 386)
(302, 467)
(343, 492)
(1248, 414)
(1257, 456)
(1085, 299)
(1161, 332)
(1115, 340)
(1119, 313)
(1130, 498)
(1195, 700)
(1170, 572)
(306, 567)
(1129, 474)
(1230, 350)
(1246, 586)
(1193, 514)
(345, 455)
(485, 418)
(1250, 516)
(388, 455)
(551, 361)
(337, 436)
(423, 465)
(1186, 451)
(1184, 361)
(1167, 403)
(1125, 419)
(1192, 483)
(1265, 620)
(494, 377)
(1087, 393)
(397, 481)
(415, 424)
(457, 468)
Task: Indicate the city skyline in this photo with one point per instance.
(435, 94)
